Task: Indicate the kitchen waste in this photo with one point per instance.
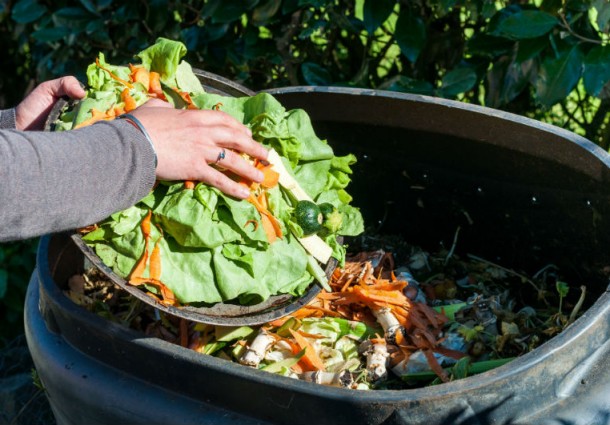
(395, 317)
(187, 242)
(392, 316)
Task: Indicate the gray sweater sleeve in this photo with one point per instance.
(59, 181)
(7, 118)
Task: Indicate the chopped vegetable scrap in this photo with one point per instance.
(430, 320)
(204, 246)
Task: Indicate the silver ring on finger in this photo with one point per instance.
(221, 156)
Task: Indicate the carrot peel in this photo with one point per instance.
(310, 360)
(114, 77)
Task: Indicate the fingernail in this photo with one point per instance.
(259, 176)
(244, 192)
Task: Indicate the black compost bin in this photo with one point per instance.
(524, 194)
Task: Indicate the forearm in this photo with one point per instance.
(58, 181)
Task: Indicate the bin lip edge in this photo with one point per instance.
(585, 143)
(596, 312)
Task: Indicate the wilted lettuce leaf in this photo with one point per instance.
(99, 80)
(212, 246)
(163, 57)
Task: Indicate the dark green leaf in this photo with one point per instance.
(235, 54)
(74, 18)
(558, 76)
(605, 93)
(348, 23)
(408, 85)
(488, 45)
(597, 69)
(26, 11)
(3, 282)
(528, 48)
(447, 4)
(457, 81)
(72, 13)
(499, 16)
(190, 37)
(158, 16)
(410, 34)
(101, 36)
(551, 5)
(89, 5)
(289, 6)
(265, 11)
(48, 35)
(256, 48)
(103, 4)
(526, 24)
(210, 8)
(231, 10)
(315, 75)
(95, 26)
(488, 9)
(603, 14)
(213, 32)
(362, 76)
(506, 80)
(310, 30)
(315, 3)
(376, 12)
(578, 5)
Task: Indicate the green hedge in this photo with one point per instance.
(548, 60)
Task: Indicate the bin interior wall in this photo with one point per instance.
(522, 196)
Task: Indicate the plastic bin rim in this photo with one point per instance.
(585, 143)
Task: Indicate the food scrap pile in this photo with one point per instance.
(187, 243)
(432, 319)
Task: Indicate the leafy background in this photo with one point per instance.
(547, 59)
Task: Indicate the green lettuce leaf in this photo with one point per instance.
(186, 80)
(163, 57)
(99, 79)
(191, 223)
(213, 247)
(352, 224)
(299, 126)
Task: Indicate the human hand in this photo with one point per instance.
(33, 110)
(190, 144)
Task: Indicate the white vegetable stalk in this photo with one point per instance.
(377, 359)
(388, 322)
(257, 350)
(343, 379)
(313, 244)
(278, 352)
